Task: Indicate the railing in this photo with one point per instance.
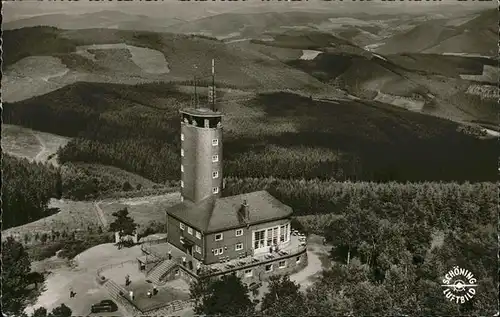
(171, 307)
(155, 241)
(206, 272)
(109, 266)
(147, 249)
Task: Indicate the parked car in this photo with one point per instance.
(254, 286)
(106, 305)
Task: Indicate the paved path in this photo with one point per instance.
(43, 151)
(317, 261)
(100, 215)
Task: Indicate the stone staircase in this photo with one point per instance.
(160, 270)
(171, 308)
(114, 290)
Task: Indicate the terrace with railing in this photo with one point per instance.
(296, 246)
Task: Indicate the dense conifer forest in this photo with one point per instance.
(136, 128)
(26, 190)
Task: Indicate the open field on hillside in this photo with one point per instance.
(144, 210)
(19, 141)
(73, 216)
(82, 215)
(34, 76)
(31, 144)
(118, 56)
(150, 61)
(490, 75)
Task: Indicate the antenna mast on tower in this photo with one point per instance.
(195, 90)
(211, 91)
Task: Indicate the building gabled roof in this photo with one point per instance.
(219, 214)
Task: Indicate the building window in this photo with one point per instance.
(269, 268)
(215, 158)
(218, 237)
(182, 198)
(248, 273)
(275, 235)
(218, 251)
(181, 240)
(284, 233)
(269, 237)
(182, 136)
(182, 184)
(198, 234)
(215, 190)
(206, 123)
(239, 232)
(282, 264)
(182, 168)
(198, 249)
(239, 246)
(215, 174)
(182, 152)
(297, 259)
(259, 239)
(176, 272)
(181, 225)
(190, 230)
(215, 142)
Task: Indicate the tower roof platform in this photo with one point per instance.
(202, 112)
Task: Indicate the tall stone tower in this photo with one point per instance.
(201, 152)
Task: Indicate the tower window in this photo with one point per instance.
(215, 190)
(182, 168)
(215, 174)
(215, 158)
(215, 142)
(182, 152)
(182, 198)
(182, 184)
(206, 123)
(182, 136)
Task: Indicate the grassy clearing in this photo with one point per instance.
(73, 216)
(19, 141)
(144, 210)
(81, 215)
(31, 144)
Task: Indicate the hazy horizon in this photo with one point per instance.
(13, 11)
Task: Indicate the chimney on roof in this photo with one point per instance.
(245, 212)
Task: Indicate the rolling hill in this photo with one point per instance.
(432, 84)
(114, 56)
(476, 36)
